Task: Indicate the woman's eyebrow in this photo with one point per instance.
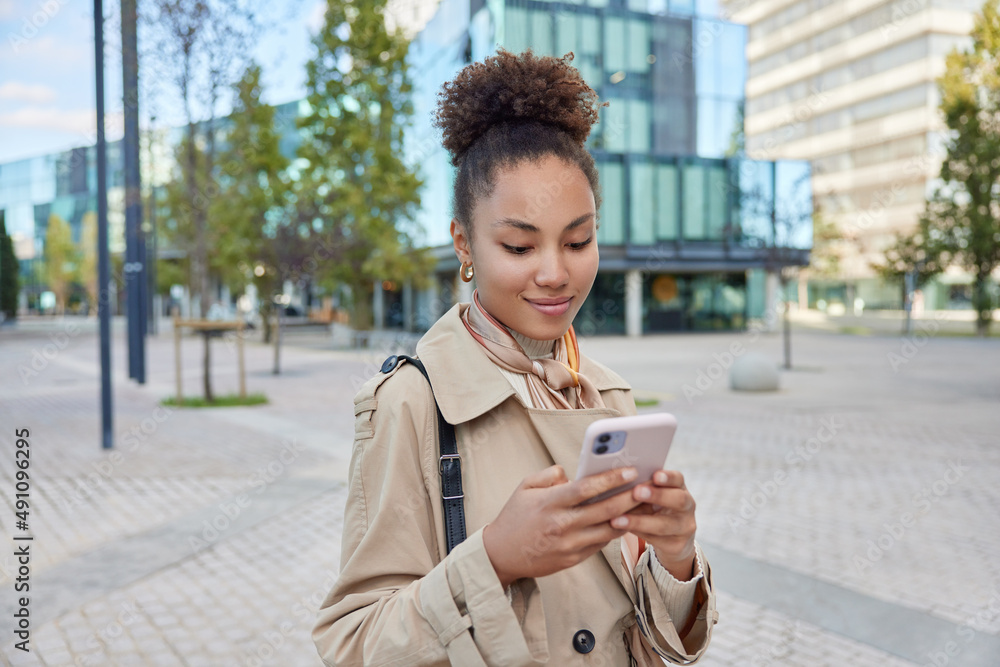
(528, 227)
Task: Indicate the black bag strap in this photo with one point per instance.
(449, 466)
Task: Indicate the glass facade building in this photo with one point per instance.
(687, 225)
(64, 184)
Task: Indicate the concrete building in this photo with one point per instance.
(850, 87)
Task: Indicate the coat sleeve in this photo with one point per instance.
(397, 601)
(682, 642)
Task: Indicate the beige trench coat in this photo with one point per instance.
(401, 601)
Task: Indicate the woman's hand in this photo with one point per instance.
(543, 529)
(665, 519)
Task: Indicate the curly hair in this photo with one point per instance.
(509, 109)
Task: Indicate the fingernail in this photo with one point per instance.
(629, 474)
(643, 493)
(620, 522)
(661, 478)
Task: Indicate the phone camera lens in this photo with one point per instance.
(600, 449)
(604, 437)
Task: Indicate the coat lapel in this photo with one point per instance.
(452, 356)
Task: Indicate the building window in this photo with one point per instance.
(667, 202)
(694, 202)
(516, 35)
(603, 313)
(541, 32)
(694, 302)
(641, 213)
(612, 214)
(717, 187)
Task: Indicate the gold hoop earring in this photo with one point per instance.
(467, 272)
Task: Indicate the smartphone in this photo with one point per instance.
(642, 441)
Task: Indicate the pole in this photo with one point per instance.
(103, 267)
(178, 366)
(135, 260)
(909, 280)
(277, 340)
(242, 362)
(151, 259)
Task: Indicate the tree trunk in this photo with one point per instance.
(265, 319)
(277, 342)
(206, 366)
(786, 323)
(983, 305)
(361, 293)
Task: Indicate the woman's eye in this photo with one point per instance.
(581, 244)
(515, 249)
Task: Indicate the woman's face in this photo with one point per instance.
(534, 246)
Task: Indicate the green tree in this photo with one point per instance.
(354, 193)
(198, 46)
(255, 242)
(920, 253)
(61, 260)
(963, 214)
(88, 258)
(9, 269)
(826, 254)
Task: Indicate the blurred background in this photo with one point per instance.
(801, 198)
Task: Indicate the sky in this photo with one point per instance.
(47, 83)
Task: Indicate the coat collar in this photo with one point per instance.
(466, 383)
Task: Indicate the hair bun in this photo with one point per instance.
(509, 88)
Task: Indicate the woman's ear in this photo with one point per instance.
(461, 241)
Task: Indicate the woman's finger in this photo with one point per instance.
(656, 525)
(671, 478)
(669, 498)
(543, 478)
(594, 485)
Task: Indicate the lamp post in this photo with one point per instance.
(103, 269)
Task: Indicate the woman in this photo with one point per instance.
(538, 580)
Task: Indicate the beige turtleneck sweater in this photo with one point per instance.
(678, 596)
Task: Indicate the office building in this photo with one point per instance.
(688, 227)
(851, 88)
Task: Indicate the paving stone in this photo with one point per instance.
(813, 503)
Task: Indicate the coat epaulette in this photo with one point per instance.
(365, 400)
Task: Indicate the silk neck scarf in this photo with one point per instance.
(546, 378)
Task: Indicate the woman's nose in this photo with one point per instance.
(552, 271)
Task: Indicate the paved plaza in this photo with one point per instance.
(852, 518)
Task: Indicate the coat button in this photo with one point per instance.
(583, 641)
(391, 362)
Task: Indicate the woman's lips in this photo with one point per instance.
(553, 307)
